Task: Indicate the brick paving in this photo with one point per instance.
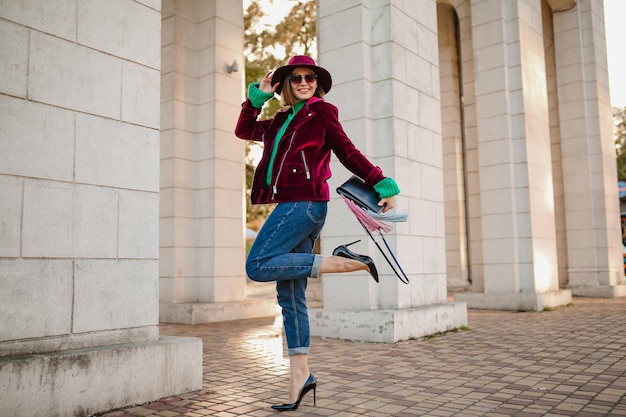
(566, 362)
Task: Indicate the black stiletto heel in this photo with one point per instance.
(344, 252)
(310, 384)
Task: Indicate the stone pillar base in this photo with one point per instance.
(515, 301)
(198, 313)
(387, 326)
(600, 291)
(88, 381)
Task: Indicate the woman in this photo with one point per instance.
(293, 172)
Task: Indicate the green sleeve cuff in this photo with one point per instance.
(387, 187)
(256, 96)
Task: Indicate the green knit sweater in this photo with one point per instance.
(385, 188)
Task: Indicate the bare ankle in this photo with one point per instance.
(332, 264)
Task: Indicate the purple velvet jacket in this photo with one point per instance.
(302, 164)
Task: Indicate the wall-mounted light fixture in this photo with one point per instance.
(233, 67)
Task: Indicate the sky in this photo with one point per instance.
(615, 26)
(614, 15)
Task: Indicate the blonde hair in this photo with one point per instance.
(287, 98)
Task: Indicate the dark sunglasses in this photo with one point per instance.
(297, 78)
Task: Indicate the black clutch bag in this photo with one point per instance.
(365, 197)
(361, 194)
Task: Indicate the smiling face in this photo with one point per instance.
(303, 82)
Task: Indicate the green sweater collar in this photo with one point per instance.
(291, 113)
(296, 107)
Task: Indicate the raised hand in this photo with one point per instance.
(266, 83)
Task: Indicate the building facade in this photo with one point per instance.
(79, 211)
(122, 184)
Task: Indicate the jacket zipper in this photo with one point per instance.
(306, 167)
(282, 163)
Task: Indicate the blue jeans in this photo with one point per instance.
(282, 252)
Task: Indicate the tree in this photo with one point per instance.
(619, 133)
(256, 212)
(296, 34)
(297, 30)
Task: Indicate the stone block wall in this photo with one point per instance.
(79, 211)
(79, 140)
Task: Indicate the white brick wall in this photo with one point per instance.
(384, 62)
(202, 209)
(36, 298)
(79, 154)
(37, 140)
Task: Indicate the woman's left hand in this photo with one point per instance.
(387, 203)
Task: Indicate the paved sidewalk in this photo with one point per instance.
(566, 362)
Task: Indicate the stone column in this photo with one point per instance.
(79, 191)
(202, 166)
(595, 264)
(516, 189)
(454, 148)
(384, 64)
(463, 222)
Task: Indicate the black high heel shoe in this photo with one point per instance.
(344, 252)
(310, 384)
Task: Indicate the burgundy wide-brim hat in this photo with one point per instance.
(324, 79)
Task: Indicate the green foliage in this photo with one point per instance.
(453, 330)
(296, 34)
(548, 308)
(619, 134)
(259, 211)
(298, 29)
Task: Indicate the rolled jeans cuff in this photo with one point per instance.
(315, 269)
(304, 350)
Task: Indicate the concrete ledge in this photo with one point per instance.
(515, 301)
(599, 291)
(198, 313)
(88, 381)
(387, 326)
